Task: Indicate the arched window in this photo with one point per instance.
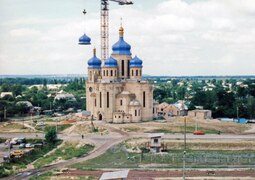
(135, 113)
(103, 72)
(121, 102)
(123, 68)
(137, 72)
(100, 99)
(132, 72)
(107, 100)
(90, 75)
(106, 72)
(128, 68)
(144, 99)
(111, 73)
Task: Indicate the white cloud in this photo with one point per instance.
(206, 37)
(25, 33)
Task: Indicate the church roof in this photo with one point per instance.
(134, 103)
(94, 62)
(110, 62)
(121, 47)
(84, 40)
(136, 62)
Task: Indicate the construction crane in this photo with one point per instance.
(105, 25)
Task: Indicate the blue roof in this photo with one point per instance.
(121, 47)
(94, 62)
(84, 40)
(136, 62)
(111, 62)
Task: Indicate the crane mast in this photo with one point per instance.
(104, 29)
(105, 25)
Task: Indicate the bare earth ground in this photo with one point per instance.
(171, 175)
(111, 134)
(176, 126)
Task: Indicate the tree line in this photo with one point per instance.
(226, 98)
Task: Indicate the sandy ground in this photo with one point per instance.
(176, 125)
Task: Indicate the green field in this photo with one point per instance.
(119, 157)
(67, 151)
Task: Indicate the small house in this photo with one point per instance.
(200, 114)
(155, 142)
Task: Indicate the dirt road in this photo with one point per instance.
(97, 152)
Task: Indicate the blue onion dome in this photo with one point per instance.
(111, 63)
(84, 40)
(121, 47)
(136, 62)
(94, 62)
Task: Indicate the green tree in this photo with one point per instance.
(51, 136)
(251, 107)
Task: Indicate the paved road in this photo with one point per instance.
(132, 134)
(192, 136)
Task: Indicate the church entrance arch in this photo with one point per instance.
(100, 117)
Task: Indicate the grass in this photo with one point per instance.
(43, 176)
(60, 127)
(119, 157)
(180, 129)
(67, 151)
(50, 175)
(12, 126)
(8, 168)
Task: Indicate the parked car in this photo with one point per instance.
(40, 124)
(6, 158)
(17, 153)
(198, 133)
(29, 146)
(28, 150)
(22, 145)
(38, 145)
(20, 140)
(14, 141)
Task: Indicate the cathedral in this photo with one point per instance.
(115, 90)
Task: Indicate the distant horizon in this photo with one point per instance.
(73, 75)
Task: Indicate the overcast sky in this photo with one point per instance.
(172, 37)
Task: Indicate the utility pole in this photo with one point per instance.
(4, 112)
(56, 126)
(184, 152)
(237, 112)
